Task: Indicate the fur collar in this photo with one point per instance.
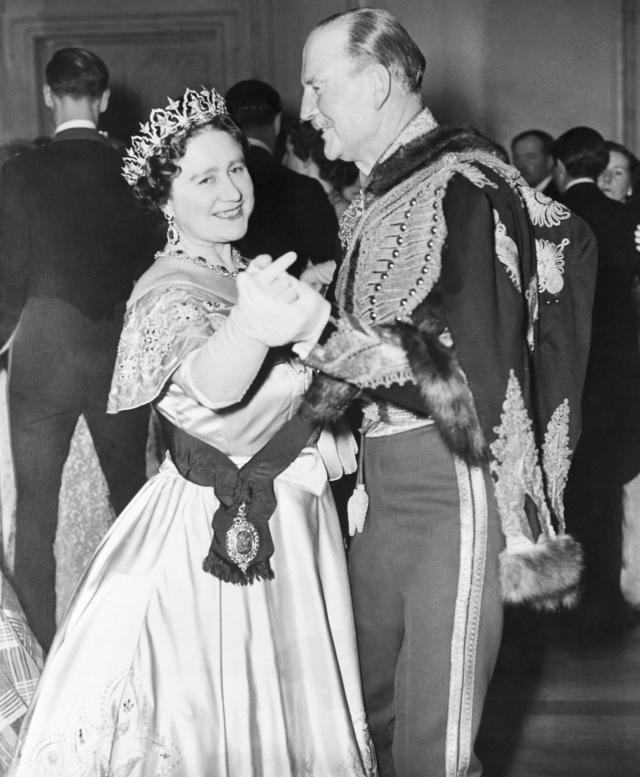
(423, 151)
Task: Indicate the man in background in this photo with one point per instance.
(603, 489)
(292, 211)
(72, 240)
(531, 154)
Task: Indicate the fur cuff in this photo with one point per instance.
(545, 575)
(327, 398)
(446, 393)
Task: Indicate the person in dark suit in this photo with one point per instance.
(71, 243)
(607, 457)
(292, 211)
(531, 154)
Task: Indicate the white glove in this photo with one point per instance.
(274, 307)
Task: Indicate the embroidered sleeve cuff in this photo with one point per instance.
(366, 356)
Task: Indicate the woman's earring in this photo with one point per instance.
(173, 236)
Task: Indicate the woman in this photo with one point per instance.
(619, 180)
(243, 664)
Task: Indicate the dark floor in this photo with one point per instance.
(565, 700)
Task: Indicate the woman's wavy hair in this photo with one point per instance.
(153, 188)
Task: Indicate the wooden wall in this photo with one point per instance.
(503, 65)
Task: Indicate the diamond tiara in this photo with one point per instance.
(194, 108)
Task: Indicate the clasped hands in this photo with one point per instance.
(276, 308)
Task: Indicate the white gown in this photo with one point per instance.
(160, 668)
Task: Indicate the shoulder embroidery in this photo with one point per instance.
(551, 265)
(543, 211)
(159, 330)
(473, 173)
(507, 251)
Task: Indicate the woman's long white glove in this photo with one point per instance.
(219, 372)
(273, 309)
(276, 308)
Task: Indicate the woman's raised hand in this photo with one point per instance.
(276, 308)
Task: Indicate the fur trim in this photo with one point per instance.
(546, 576)
(424, 151)
(327, 398)
(447, 395)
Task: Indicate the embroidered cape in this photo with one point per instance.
(466, 295)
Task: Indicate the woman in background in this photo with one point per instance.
(620, 179)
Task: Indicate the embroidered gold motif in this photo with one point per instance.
(473, 173)
(515, 467)
(361, 355)
(556, 459)
(551, 265)
(543, 211)
(400, 240)
(350, 219)
(532, 298)
(507, 252)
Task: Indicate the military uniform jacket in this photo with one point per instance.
(466, 295)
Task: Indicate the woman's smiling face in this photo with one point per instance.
(211, 198)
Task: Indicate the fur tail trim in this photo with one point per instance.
(445, 390)
(546, 575)
(327, 398)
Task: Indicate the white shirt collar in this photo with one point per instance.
(76, 124)
(584, 179)
(259, 143)
(540, 187)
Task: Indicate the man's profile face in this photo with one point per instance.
(337, 96)
(530, 159)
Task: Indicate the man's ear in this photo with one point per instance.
(104, 100)
(277, 124)
(47, 94)
(381, 83)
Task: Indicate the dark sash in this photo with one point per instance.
(241, 544)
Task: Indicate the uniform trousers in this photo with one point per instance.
(428, 609)
(61, 366)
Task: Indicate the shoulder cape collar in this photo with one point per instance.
(425, 150)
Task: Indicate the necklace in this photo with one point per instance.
(239, 264)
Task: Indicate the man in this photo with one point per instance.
(71, 243)
(470, 348)
(607, 459)
(292, 211)
(531, 154)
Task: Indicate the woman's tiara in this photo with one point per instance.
(193, 109)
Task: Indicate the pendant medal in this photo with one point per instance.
(241, 540)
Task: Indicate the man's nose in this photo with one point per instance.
(308, 105)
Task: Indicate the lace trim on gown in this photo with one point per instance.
(159, 330)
